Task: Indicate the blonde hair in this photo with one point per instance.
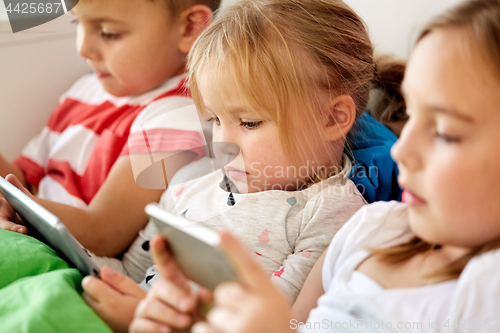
(281, 54)
(479, 22)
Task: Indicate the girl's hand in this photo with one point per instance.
(114, 298)
(7, 213)
(252, 304)
(172, 303)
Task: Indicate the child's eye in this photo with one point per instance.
(75, 21)
(215, 120)
(447, 138)
(110, 36)
(250, 124)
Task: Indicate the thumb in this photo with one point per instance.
(122, 283)
(14, 181)
(248, 271)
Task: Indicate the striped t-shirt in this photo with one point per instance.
(90, 128)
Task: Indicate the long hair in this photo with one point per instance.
(479, 22)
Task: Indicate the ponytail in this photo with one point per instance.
(386, 103)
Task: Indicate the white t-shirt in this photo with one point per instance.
(353, 302)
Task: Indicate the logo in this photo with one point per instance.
(28, 14)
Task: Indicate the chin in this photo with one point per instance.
(117, 89)
(421, 226)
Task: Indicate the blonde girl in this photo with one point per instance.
(430, 264)
(283, 82)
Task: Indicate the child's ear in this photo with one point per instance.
(194, 20)
(340, 118)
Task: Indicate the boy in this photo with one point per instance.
(79, 165)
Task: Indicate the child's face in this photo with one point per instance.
(132, 45)
(259, 161)
(448, 152)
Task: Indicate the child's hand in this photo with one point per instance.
(114, 298)
(172, 303)
(7, 213)
(251, 306)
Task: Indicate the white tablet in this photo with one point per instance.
(195, 247)
(50, 229)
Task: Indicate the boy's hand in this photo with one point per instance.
(252, 305)
(172, 303)
(7, 213)
(114, 298)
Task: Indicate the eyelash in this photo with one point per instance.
(446, 138)
(103, 34)
(110, 36)
(250, 125)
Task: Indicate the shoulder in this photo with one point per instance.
(376, 225)
(336, 194)
(169, 107)
(476, 296)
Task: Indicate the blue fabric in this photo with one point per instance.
(374, 172)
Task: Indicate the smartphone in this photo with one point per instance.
(49, 229)
(195, 248)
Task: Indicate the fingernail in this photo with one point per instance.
(20, 230)
(108, 272)
(184, 303)
(199, 328)
(85, 280)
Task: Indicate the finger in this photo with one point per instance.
(143, 325)
(153, 309)
(97, 289)
(205, 295)
(165, 263)
(92, 302)
(230, 295)
(223, 320)
(11, 226)
(204, 328)
(6, 210)
(121, 283)
(14, 181)
(173, 295)
(248, 271)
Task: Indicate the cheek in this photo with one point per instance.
(447, 184)
(461, 190)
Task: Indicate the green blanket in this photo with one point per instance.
(39, 292)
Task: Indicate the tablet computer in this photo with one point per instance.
(49, 229)
(195, 247)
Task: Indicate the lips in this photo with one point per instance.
(101, 75)
(235, 173)
(411, 199)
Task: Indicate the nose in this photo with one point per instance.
(86, 44)
(225, 143)
(406, 151)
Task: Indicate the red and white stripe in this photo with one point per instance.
(72, 156)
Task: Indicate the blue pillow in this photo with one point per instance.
(374, 172)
